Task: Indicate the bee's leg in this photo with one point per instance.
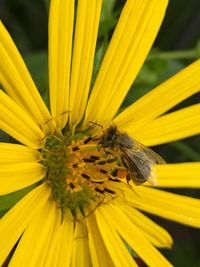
(128, 179)
(54, 118)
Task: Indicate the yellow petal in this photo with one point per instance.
(45, 251)
(88, 15)
(80, 253)
(98, 250)
(17, 81)
(130, 44)
(162, 98)
(14, 153)
(182, 209)
(15, 121)
(115, 246)
(173, 126)
(17, 176)
(151, 231)
(60, 250)
(61, 21)
(46, 259)
(36, 238)
(14, 223)
(179, 175)
(133, 236)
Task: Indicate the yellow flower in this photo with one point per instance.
(80, 213)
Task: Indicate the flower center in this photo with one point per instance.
(79, 170)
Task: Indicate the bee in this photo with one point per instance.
(138, 160)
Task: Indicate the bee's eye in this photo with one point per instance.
(110, 136)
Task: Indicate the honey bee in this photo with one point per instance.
(138, 160)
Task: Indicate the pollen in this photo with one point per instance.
(79, 171)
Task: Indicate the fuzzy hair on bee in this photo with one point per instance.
(138, 159)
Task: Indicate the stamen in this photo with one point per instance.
(86, 141)
(114, 173)
(114, 180)
(85, 176)
(75, 148)
(102, 162)
(89, 160)
(108, 190)
(94, 157)
(99, 190)
(103, 171)
(111, 160)
(72, 185)
(108, 153)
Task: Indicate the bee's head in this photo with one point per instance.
(108, 138)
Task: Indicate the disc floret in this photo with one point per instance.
(78, 172)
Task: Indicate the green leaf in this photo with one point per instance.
(9, 200)
(37, 63)
(187, 150)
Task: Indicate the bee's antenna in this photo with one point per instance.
(98, 125)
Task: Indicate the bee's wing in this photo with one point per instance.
(140, 166)
(153, 156)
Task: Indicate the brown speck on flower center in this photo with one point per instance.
(79, 172)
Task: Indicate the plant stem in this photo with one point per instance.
(183, 54)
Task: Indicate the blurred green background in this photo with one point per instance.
(177, 45)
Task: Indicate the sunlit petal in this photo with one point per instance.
(132, 39)
(113, 241)
(154, 233)
(159, 100)
(182, 209)
(36, 238)
(15, 153)
(179, 175)
(17, 176)
(133, 236)
(14, 223)
(61, 21)
(171, 127)
(80, 253)
(17, 81)
(15, 121)
(97, 245)
(88, 15)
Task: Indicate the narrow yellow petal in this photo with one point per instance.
(14, 223)
(36, 238)
(173, 126)
(179, 175)
(182, 209)
(14, 153)
(115, 246)
(17, 176)
(63, 245)
(61, 21)
(80, 253)
(47, 259)
(130, 44)
(88, 15)
(134, 237)
(99, 254)
(45, 252)
(17, 81)
(154, 233)
(17, 123)
(162, 98)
